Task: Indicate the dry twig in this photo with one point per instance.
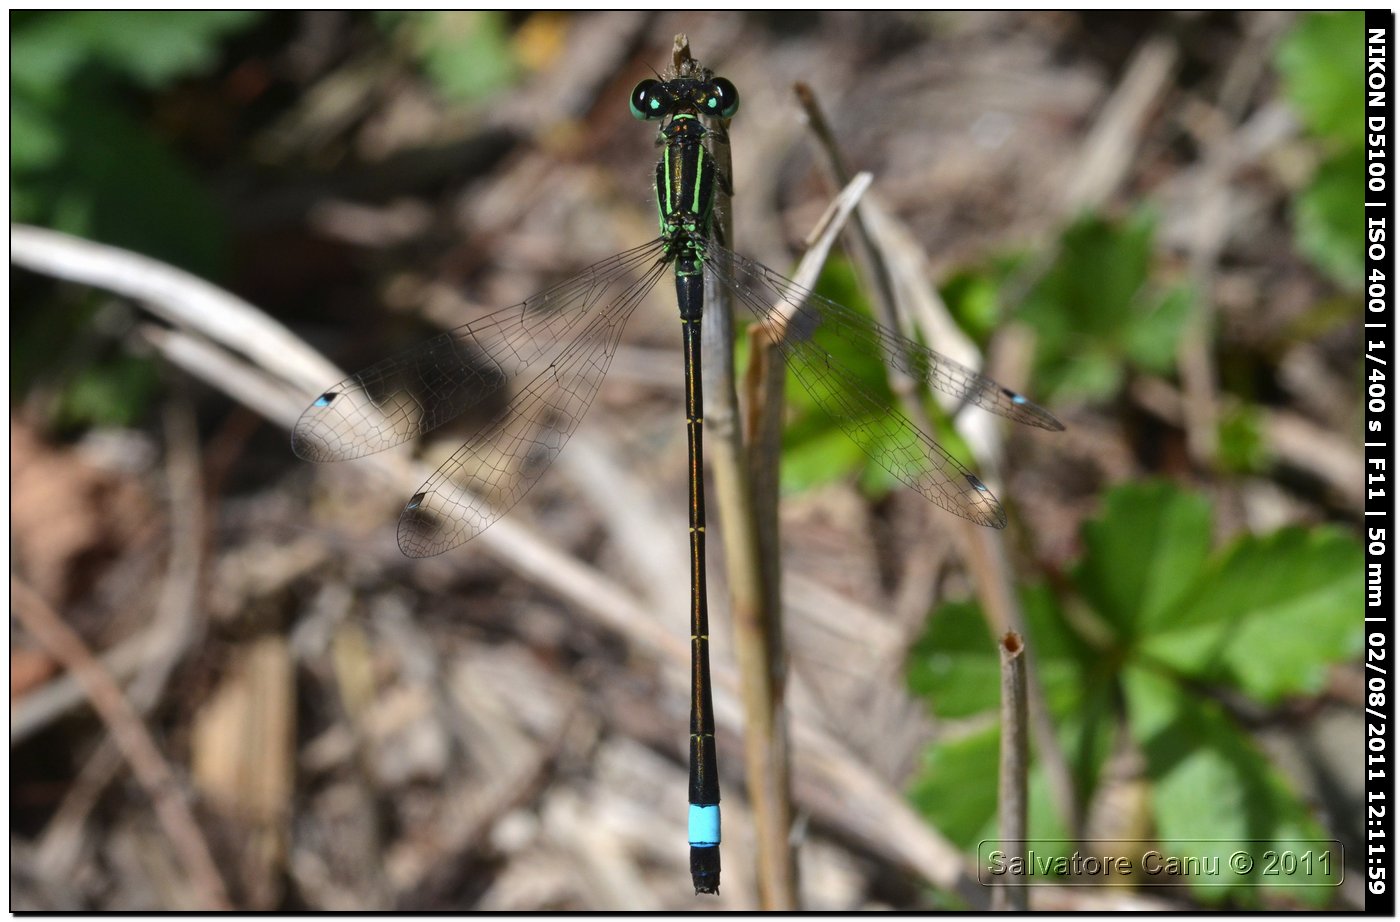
(1013, 809)
(156, 650)
(132, 738)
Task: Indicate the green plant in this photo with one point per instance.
(86, 158)
(1155, 634)
(466, 54)
(1317, 64)
(815, 450)
(1098, 312)
(83, 157)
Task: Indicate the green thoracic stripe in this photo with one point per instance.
(699, 171)
(666, 158)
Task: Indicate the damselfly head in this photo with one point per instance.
(653, 99)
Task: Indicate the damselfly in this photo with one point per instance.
(557, 346)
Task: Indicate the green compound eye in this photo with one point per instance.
(723, 98)
(650, 100)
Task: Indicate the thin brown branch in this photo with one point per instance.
(1014, 770)
(869, 259)
(171, 634)
(987, 561)
(140, 751)
(758, 640)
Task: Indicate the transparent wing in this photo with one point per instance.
(812, 312)
(884, 434)
(489, 474)
(405, 395)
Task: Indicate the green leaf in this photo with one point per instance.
(1092, 373)
(1271, 617)
(973, 301)
(467, 54)
(956, 665)
(113, 182)
(818, 454)
(78, 162)
(35, 143)
(1319, 64)
(1268, 617)
(1241, 439)
(1210, 782)
(1096, 309)
(116, 392)
(1090, 290)
(150, 47)
(816, 449)
(956, 786)
(1143, 554)
(1329, 214)
(1151, 337)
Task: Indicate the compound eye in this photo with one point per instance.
(650, 100)
(721, 99)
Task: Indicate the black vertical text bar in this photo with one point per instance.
(1378, 370)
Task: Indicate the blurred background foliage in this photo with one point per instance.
(1176, 603)
(86, 157)
(1312, 63)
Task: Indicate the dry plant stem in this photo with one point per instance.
(766, 661)
(843, 792)
(869, 260)
(1014, 768)
(749, 523)
(982, 547)
(759, 645)
(177, 297)
(1108, 152)
(136, 745)
(1210, 232)
(509, 541)
(242, 753)
(61, 694)
(279, 382)
(987, 561)
(172, 632)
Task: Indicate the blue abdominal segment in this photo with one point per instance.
(704, 825)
